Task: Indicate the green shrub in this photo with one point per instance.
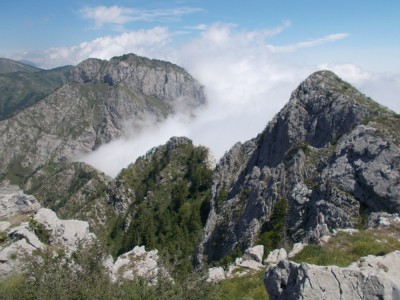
(3, 237)
(83, 276)
(273, 233)
(249, 287)
(40, 230)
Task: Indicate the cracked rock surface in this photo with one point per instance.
(371, 277)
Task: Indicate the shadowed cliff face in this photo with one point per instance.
(99, 100)
(330, 150)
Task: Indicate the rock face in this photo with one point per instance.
(328, 153)
(370, 277)
(100, 99)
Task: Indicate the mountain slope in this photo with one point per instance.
(100, 99)
(10, 66)
(163, 201)
(329, 155)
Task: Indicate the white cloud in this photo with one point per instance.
(112, 157)
(107, 15)
(348, 72)
(117, 15)
(197, 27)
(309, 43)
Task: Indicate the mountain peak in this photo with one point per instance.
(10, 66)
(326, 88)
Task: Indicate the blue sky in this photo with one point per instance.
(373, 27)
(249, 55)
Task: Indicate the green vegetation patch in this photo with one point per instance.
(248, 287)
(40, 230)
(50, 276)
(273, 233)
(20, 90)
(171, 187)
(344, 248)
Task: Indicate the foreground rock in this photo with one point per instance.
(137, 263)
(371, 277)
(67, 233)
(20, 240)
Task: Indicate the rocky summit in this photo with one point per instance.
(321, 179)
(328, 155)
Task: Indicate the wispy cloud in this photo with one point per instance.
(197, 27)
(309, 43)
(101, 15)
(117, 15)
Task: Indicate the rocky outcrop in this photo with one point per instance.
(371, 277)
(100, 100)
(276, 255)
(329, 153)
(67, 233)
(160, 79)
(255, 253)
(14, 201)
(382, 219)
(138, 263)
(28, 234)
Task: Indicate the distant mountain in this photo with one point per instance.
(98, 99)
(28, 62)
(21, 89)
(10, 66)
